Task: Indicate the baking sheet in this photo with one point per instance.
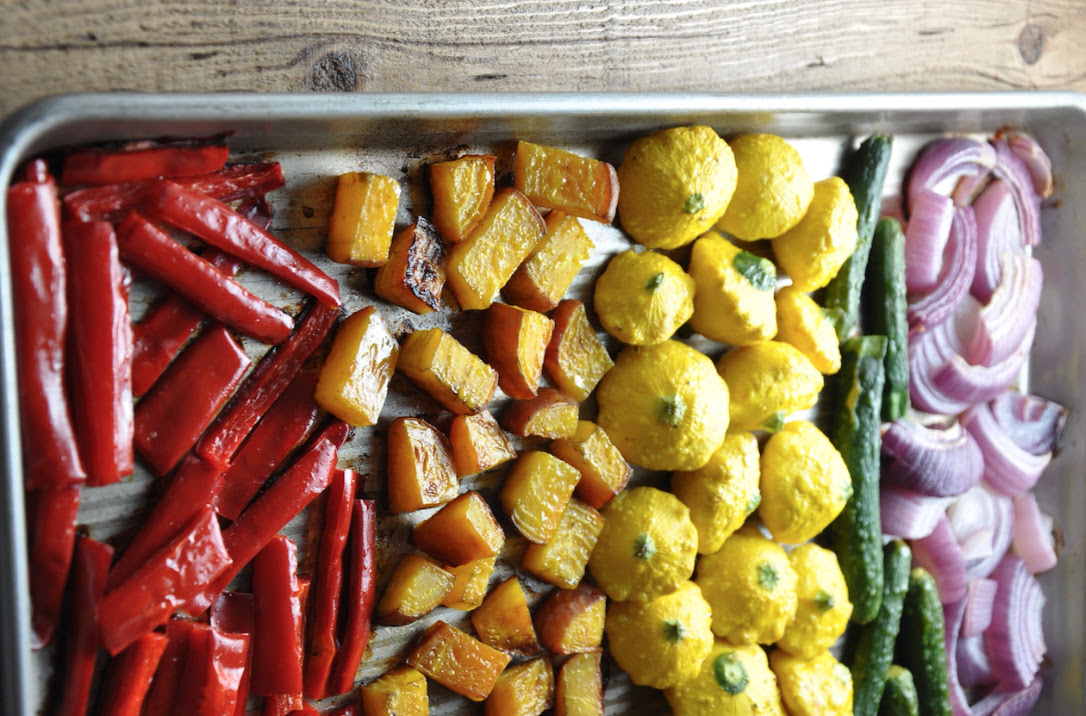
(318, 137)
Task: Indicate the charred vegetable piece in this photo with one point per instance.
(415, 272)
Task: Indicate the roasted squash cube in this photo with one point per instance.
(526, 689)
(416, 588)
(458, 661)
(562, 560)
(557, 179)
(478, 443)
(545, 276)
(576, 359)
(462, 190)
(363, 219)
(570, 621)
(504, 621)
(354, 380)
(515, 341)
(462, 531)
(415, 272)
(604, 472)
(453, 375)
(483, 262)
(579, 689)
(470, 585)
(536, 492)
(550, 414)
(420, 467)
(398, 692)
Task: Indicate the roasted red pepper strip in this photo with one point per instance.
(167, 327)
(358, 598)
(192, 489)
(50, 516)
(129, 674)
(270, 512)
(267, 381)
(104, 166)
(213, 672)
(281, 430)
(111, 201)
(149, 249)
(283, 705)
(219, 225)
(183, 402)
(99, 351)
(163, 693)
(169, 579)
(328, 582)
(257, 210)
(39, 288)
(277, 647)
(235, 613)
(89, 567)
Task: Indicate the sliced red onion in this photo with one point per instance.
(1015, 640)
(998, 233)
(1035, 159)
(1009, 703)
(1033, 423)
(940, 554)
(1010, 167)
(983, 522)
(931, 349)
(909, 514)
(939, 462)
(1007, 467)
(1033, 540)
(974, 668)
(952, 621)
(968, 188)
(1010, 313)
(926, 237)
(979, 597)
(946, 159)
(959, 265)
(972, 384)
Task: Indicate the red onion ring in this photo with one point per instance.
(1010, 167)
(972, 384)
(909, 514)
(926, 237)
(945, 159)
(1035, 159)
(979, 597)
(983, 522)
(974, 668)
(1033, 540)
(932, 461)
(1033, 423)
(941, 555)
(959, 265)
(998, 232)
(1015, 640)
(932, 349)
(1007, 467)
(952, 621)
(1009, 703)
(1010, 312)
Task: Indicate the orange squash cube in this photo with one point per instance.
(398, 692)
(550, 414)
(525, 689)
(353, 383)
(536, 492)
(470, 585)
(576, 359)
(462, 190)
(604, 472)
(570, 621)
(458, 661)
(557, 179)
(515, 341)
(483, 262)
(579, 689)
(420, 467)
(562, 560)
(415, 272)
(453, 375)
(363, 219)
(504, 621)
(416, 588)
(540, 282)
(478, 443)
(462, 531)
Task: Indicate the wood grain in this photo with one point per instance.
(50, 46)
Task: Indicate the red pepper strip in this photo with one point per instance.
(277, 649)
(281, 430)
(169, 579)
(38, 278)
(100, 166)
(89, 567)
(269, 513)
(149, 249)
(219, 225)
(192, 489)
(163, 693)
(267, 381)
(283, 705)
(213, 672)
(180, 406)
(128, 676)
(257, 210)
(99, 351)
(167, 327)
(359, 597)
(235, 613)
(51, 516)
(111, 201)
(328, 583)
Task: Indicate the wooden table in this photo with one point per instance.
(738, 46)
